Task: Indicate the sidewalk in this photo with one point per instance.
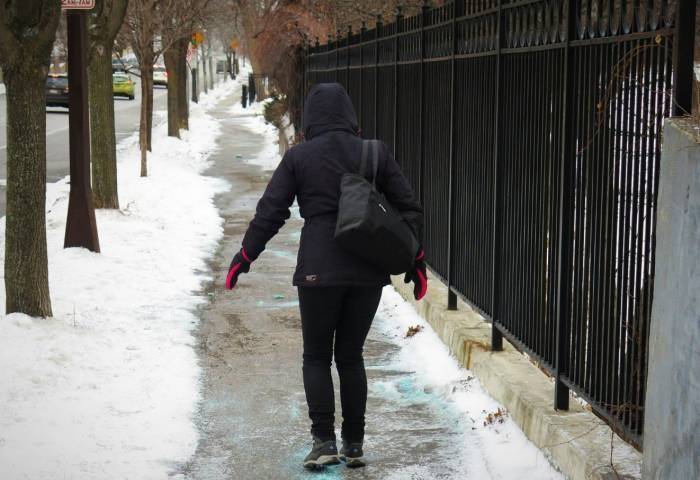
(426, 416)
(150, 370)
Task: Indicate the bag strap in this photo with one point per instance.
(375, 158)
(375, 161)
(363, 161)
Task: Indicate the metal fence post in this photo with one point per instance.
(496, 334)
(376, 78)
(424, 16)
(683, 54)
(347, 70)
(304, 53)
(327, 60)
(561, 358)
(359, 101)
(451, 296)
(396, 75)
(335, 47)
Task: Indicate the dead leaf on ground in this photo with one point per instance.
(499, 416)
(412, 330)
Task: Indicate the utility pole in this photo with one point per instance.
(81, 227)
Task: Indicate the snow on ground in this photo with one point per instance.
(2, 88)
(108, 387)
(498, 450)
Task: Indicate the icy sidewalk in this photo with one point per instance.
(107, 388)
(427, 418)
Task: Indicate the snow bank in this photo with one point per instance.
(108, 387)
(497, 450)
(2, 88)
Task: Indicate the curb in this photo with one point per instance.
(576, 441)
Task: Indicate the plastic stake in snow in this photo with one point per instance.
(108, 387)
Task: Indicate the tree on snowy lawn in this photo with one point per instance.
(144, 20)
(140, 28)
(27, 32)
(105, 20)
(178, 21)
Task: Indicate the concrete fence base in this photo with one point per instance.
(577, 442)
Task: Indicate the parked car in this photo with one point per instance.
(122, 85)
(57, 90)
(133, 64)
(160, 76)
(118, 65)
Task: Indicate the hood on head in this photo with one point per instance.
(328, 107)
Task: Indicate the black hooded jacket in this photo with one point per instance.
(311, 172)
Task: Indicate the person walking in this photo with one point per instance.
(339, 293)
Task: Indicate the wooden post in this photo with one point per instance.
(81, 227)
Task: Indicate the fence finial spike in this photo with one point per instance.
(399, 10)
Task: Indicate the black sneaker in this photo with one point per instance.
(323, 453)
(351, 454)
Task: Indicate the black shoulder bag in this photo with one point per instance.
(368, 226)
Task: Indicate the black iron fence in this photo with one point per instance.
(531, 131)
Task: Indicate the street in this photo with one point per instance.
(126, 113)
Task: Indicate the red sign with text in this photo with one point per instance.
(77, 4)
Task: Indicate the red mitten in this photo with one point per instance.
(239, 264)
(418, 276)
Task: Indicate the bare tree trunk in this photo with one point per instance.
(26, 259)
(102, 131)
(146, 93)
(171, 65)
(143, 127)
(104, 23)
(149, 109)
(204, 71)
(182, 100)
(212, 72)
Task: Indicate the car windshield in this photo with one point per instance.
(57, 82)
(120, 78)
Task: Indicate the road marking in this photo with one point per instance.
(57, 130)
(48, 134)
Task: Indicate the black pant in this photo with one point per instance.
(346, 312)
